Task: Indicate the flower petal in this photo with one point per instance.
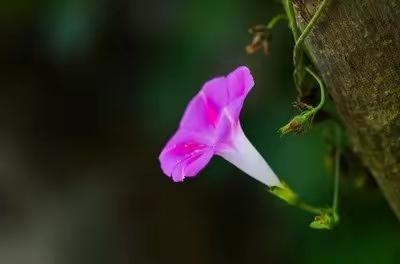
(192, 165)
(208, 124)
(216, 96)
(203, 111)
(185, 154)
(240, 82)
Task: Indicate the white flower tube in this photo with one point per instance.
(245, 157)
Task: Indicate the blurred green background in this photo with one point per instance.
(92, 90)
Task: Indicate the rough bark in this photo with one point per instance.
(356, 48)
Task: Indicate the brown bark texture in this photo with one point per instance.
(356, 48)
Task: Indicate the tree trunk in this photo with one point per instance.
(356, 48)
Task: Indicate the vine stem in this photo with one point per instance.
(288, 5)
(274, 21)
(335, 201)
(321, 87)
(309, 208)
(299, 43)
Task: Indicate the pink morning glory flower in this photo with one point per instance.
(210, 126)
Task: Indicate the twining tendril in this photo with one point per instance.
(298, 48)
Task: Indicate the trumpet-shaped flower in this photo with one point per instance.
(210, 126)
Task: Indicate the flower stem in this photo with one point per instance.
(285, 193)
(309, 208)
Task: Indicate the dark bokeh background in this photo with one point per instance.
(89, 93)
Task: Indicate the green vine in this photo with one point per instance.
(275, 20)
(326, 218)
(289, 9)
(298, 48)
(303, 121)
